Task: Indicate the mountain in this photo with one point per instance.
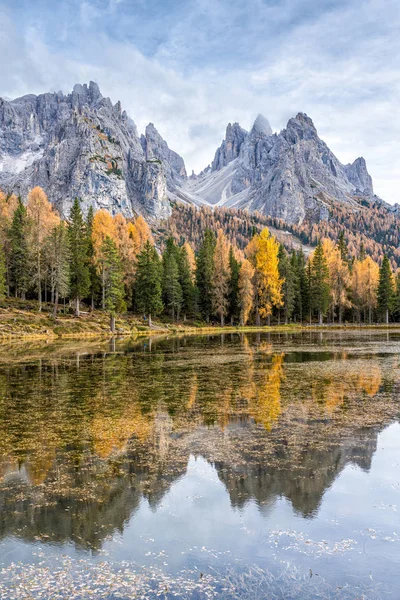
(292, 175)
(81, 145)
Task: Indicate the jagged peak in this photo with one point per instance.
(304, 119)
(261, 126)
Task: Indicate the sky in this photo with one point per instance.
(192, 66)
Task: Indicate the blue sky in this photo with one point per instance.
(192, 66)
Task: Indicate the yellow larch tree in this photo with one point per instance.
(126, 247)
(246, 291)
(339, 278)
(262, 252)
(221, 277)
(103, 227)
(191, 259)
(365, 280)
(43, 218)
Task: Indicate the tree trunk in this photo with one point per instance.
(387, 316)
(369, 315)
(77, 308)
(149, 319)
(112, 323)
(269, 320)
(258, 319)
(340, 314)
(55, 304)
(222, 320)
(320, 317)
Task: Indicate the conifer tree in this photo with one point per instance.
(114, 280)
(246, 291)
(205, 273)
(385, 289)
(320, 283)
(234, 302)
(19, 261)
(186, 282)
(78, 251)
(43, 219)
(220, 299)
(148, 290)
(289, 283)
(171, 287)
(262, 252)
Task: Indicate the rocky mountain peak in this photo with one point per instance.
(261, 126)
(230, 147)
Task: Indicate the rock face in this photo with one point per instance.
(80, 145)
(291, 175)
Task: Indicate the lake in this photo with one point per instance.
(249, 466)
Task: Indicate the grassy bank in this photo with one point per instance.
(20, 319)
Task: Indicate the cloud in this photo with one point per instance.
(192, 66)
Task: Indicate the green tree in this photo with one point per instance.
(171, 287)
(205, 273)
(234, 298)
(287, 274)
(385, 289)
(186, 283)
(114, 289)
(320, 283)
(19, 262)
(79, 262)
(148, 289)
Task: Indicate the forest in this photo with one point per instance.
(228, 268)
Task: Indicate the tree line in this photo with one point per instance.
(114, 264)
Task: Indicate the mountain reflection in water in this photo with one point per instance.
(87, 436)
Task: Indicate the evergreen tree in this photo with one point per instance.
(78, 249)
(171, 287)
(19, 261)
(3, 285)
(234, 300)
(343, 249)
(186, 283)
(385, 289)
(287, 275)
(320, 283)
(148, 289)
(113, 280)
(205, 273)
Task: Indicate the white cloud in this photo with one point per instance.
(341, 66)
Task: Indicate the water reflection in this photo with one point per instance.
(86, 436)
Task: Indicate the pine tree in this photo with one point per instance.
(234, 301)
(343, 249)
(19, 261)
(186, 282)
(148, 290)
(114, 280)
(320, 283)
(3, 285)
(385, 289)
(205, 273)
(79, 262)
(287, 275)
(171, 287)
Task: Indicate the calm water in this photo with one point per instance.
(235, 466)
